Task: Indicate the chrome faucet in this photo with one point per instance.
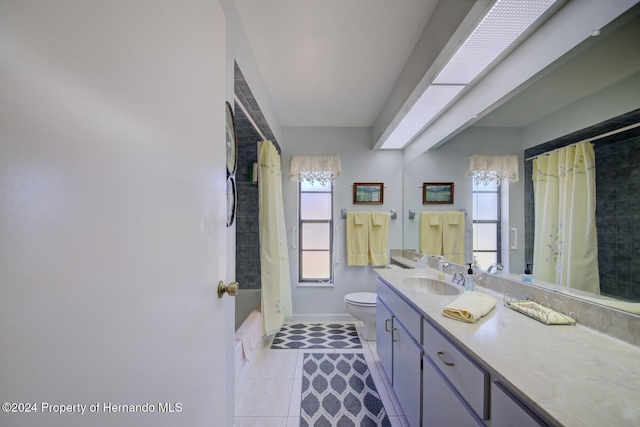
(494, 268)
(458, 278)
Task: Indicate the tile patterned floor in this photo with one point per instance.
(271, 397)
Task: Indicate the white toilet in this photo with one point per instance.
(362, 306)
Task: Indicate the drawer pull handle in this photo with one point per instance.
(441, 357)
(392, 336)
(386, 325)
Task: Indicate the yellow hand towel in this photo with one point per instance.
(430, 234)
(379, 218)
(434, 218)
(452, 217)
(357, 239)
(379, 238)
(453, 229)
(360, 218)
(470, 306)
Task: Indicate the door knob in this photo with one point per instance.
(231, 289)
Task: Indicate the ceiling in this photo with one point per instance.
(335, 63)
(331, 62)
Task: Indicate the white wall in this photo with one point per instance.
(614, 100)
(112, 120)
(359, 164)
(449, 163)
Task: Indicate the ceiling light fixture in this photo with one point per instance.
(505, 21)
(432, 101)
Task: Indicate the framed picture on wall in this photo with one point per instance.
(232, 141)
(232, 199)
(437, 193)
(368, 193)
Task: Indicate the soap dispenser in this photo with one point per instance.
(469, 280)
(527, 277)
(476, 267)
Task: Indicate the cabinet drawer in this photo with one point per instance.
(410, 318)
(469, 380)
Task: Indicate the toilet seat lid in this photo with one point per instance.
(361, 298)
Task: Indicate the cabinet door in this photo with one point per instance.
(410, 318)
(441, 405)
(383, 337)
(508, 411)
(407, 385)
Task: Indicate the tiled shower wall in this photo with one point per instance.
(247, 237)
(617, 202)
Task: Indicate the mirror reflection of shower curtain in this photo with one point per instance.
(565, 249)
(274, 257)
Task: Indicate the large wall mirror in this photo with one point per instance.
(595, 89)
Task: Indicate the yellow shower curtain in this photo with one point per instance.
(274, 257)
(566, 243)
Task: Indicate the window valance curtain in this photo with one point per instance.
(486, 168)
(315, 167)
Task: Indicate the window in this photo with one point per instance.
(486, 223)
(316, 232)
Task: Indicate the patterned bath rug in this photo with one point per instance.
(317, 335)
(338, 390)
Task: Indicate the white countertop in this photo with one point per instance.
(577, 376)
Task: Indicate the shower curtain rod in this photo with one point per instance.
(593, 138)
(246, 113)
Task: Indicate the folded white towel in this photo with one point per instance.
(470, 306)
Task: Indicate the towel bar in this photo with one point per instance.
(393, 214)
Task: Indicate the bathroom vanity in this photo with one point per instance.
(506, 369)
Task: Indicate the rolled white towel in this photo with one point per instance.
(470, 306)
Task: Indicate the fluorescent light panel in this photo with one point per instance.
(505, 21)
(434, 99)
(501, 26)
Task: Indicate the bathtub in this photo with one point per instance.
(246, 301)
(248, 337)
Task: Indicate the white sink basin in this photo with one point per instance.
(432, 286)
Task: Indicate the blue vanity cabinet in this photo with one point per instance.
(399, 332)
(437, 380)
